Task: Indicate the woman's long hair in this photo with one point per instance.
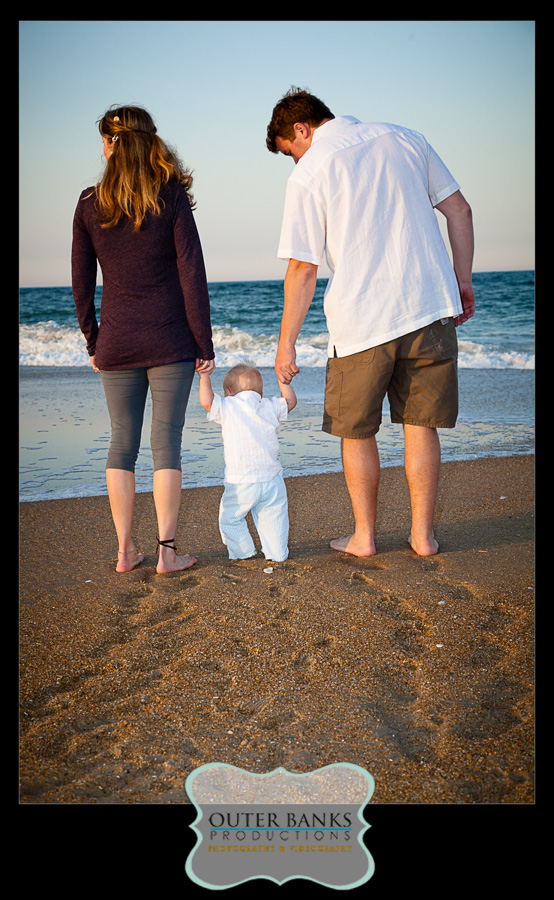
(140, 163)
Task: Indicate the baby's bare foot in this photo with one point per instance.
(355, 545)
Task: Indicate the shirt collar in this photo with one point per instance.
(332, 125)
(251, 397)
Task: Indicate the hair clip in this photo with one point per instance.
(116, 118)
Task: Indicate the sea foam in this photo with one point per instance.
(51, 344)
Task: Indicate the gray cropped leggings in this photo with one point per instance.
(126, 392)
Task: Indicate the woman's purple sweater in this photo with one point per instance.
(155, 303)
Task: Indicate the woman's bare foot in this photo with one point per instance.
(425, 547)
(170, 561)
(354, 545)
(128, 560)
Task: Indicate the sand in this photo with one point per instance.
(419, 670)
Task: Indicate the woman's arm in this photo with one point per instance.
(192, 275)
(84, 267)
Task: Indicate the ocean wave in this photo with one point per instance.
(232, 345)
(472, 355)
(51, 344)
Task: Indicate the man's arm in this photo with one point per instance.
(459, 224)
(300, 282)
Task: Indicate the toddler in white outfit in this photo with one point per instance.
(253, 474)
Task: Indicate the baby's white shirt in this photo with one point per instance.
(249, 426)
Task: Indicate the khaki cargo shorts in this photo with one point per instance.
(418, 371)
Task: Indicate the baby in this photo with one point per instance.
(253, 474)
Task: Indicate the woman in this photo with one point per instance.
(155, 329)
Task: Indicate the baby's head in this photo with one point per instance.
(243, 377)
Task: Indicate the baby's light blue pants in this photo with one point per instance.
(267, 501)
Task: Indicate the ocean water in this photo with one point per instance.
(64, 428)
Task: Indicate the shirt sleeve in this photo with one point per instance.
(280, 408)
(216, 412)
(304, 226)
(192, 274)
(441, 182)
(84, 269)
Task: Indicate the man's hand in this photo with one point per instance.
(467, 295)
(285, 363)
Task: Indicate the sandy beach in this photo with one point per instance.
(419, 670)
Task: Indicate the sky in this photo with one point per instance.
(210, 86)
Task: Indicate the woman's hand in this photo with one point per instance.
(93, 363)
(205, 366)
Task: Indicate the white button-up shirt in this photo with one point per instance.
(249, 426)
(362, 198)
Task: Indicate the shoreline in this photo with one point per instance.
(419, 670)
(64, 430)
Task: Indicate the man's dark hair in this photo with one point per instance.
(296, 106)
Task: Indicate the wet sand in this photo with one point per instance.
(419, 670)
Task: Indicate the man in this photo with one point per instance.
(362, 196)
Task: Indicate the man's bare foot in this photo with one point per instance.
(128, 560)
(354, 545)
(426, 547)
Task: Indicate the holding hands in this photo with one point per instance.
(285, 363)
(205, 366)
